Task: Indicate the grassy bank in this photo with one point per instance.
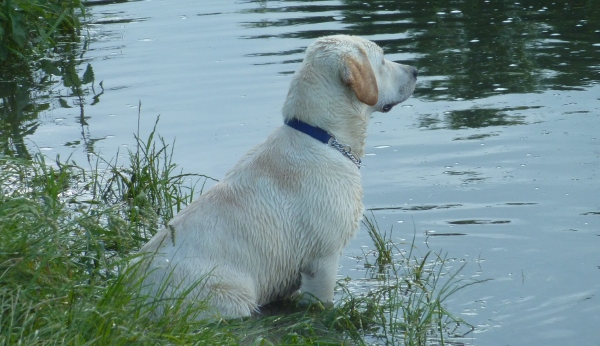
(67, 232)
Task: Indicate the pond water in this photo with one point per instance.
(495, 160)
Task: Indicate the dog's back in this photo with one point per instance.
(249, 238)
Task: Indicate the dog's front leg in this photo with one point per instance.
(318, 280)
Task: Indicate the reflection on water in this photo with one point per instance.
(63, 78)
(60, 80)
(475, 118)
(464, 50)
(418, 207)
(478, 222)
(18, 117)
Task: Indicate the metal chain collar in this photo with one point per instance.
(345, 150)
(324, 137)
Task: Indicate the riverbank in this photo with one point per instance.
(68, 231)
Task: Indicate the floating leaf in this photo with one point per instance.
(50, 68)
(88, 75)
(18, 34)
(70, 77)
(63, 103)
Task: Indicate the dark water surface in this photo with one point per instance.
(495, 160)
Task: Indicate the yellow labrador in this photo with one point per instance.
(277, 223)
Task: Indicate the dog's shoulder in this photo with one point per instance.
(292, 158)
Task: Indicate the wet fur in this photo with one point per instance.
(279, 220)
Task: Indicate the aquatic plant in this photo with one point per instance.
(29, 26)
(405, 304)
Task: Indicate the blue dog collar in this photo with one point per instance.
(324, 137)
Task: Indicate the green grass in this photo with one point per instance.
(67, 233)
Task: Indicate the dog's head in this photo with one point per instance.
(342, 80)
(376, 81)
(352, 70)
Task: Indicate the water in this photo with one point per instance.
(495, 160)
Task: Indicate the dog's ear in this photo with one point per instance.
(358, 73)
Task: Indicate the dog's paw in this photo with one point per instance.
(308, 301)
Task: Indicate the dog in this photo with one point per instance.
(275, 226)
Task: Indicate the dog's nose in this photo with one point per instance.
(415, 72)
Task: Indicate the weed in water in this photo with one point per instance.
(383, 245)
(152, 189)
(406, 304)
